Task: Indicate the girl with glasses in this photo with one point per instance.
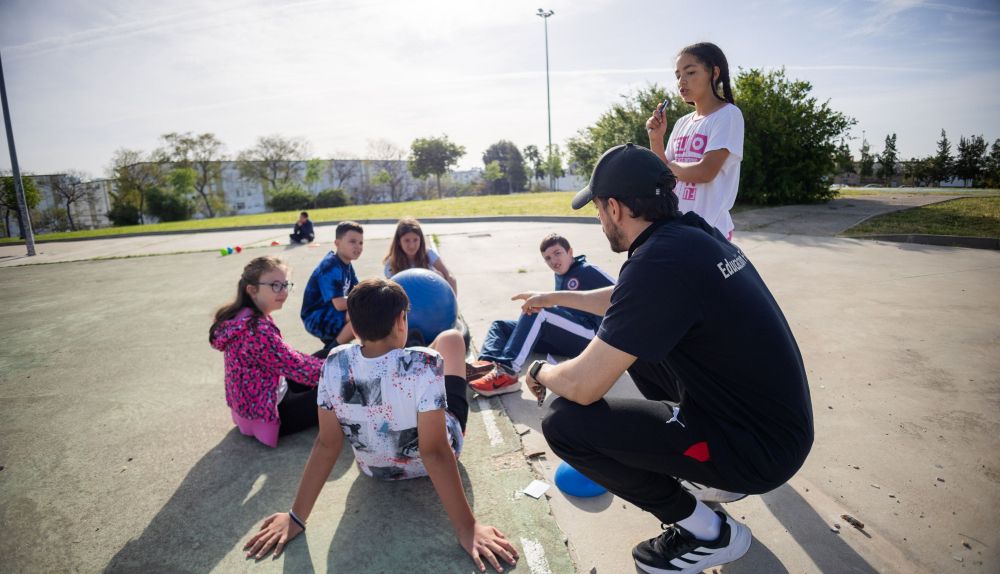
(270, 387)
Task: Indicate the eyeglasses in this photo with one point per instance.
(279, 286)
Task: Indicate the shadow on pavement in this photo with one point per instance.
(233, 487)
(812, 533)
(390, 524)
(757, 560)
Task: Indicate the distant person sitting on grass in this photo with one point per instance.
(270, 387)
(324, 304)
(409, 249)
(556, 330)
(404, 412)
(303, 230)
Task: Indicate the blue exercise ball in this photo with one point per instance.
(433, 307)
(570, 481)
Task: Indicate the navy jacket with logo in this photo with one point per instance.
(583, 276)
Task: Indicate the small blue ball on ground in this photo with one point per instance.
(573, 483)
(229, 250)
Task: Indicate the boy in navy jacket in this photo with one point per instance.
(303, 230)
(555, 330)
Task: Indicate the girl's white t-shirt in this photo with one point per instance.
(689, 141)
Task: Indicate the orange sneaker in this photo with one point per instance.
(498, 381)
(476, 370)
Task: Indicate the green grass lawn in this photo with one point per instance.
(546, 203)
(967, 217)
(859, 191)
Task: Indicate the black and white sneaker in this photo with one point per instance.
(676, 551)
(709, 494)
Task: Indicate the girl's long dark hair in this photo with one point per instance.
(397, 259)
(251, 276)
(711, 56)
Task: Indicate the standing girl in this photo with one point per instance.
(705, 146)
(261, 370)
(409, 249)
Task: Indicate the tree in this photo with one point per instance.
(789, 139)
(554, 166)
(992, 176)
(8, 200)
(867, 160)
(290, 197)
(173, 200)
(511, 164)
(203, 153)
(493, 172)
(887, 160)
(434, 156)
(331, 198)
(844, 159)
(624, 122)
(134, 175)
(535, 163)
(274, 160)
(343, 170)
(314, 172)
(971, 159)
(944, 165)
(388, 159)
(920, 171)
(69, 188)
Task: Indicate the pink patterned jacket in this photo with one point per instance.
(256, 358)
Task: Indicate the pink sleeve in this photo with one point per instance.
(286, 361)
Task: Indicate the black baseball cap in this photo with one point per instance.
(627, 170)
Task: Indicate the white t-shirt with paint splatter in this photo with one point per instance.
(377, 401)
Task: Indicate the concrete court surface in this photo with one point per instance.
(119, 454)
(900, 342)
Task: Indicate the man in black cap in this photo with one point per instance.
(726, 408)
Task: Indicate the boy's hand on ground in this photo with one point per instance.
(277, 531)
(533, 301)
(484, 541)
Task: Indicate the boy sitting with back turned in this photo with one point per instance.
(404, 412)
(556, 330)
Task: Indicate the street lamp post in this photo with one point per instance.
(544, 15)
(22, 206)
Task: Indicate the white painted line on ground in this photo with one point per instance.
(534, 555)
(492, 430)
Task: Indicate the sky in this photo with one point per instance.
(87, 78)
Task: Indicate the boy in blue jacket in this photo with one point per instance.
(555, 330)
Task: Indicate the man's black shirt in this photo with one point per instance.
(688, 298)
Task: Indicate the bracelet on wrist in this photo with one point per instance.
(297, 520)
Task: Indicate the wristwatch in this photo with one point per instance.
(533, 373)
(534, 368)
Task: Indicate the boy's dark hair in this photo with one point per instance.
(554, 239)
(373, 305)
(655, 208)
(304, 214)
(344, 226)
(711, 56)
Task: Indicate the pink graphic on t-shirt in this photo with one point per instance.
(698, 143)
(680, 145)
(689, 193)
